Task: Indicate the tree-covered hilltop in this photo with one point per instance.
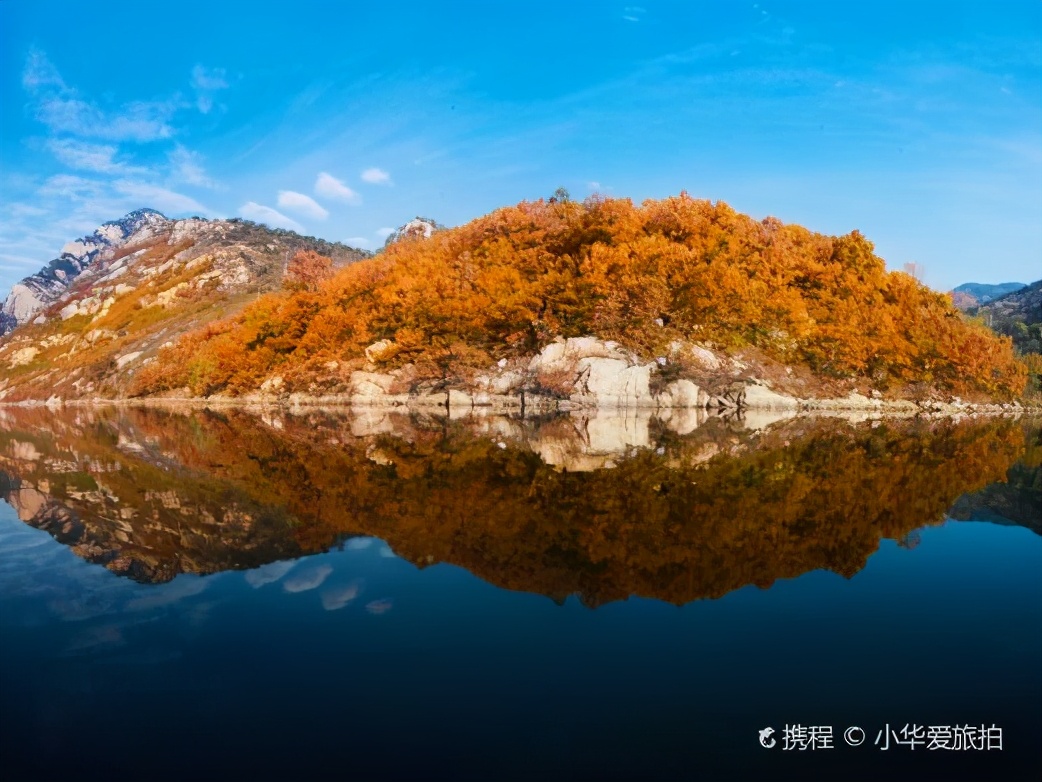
(680, 269)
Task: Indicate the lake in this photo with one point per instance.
(234, 594)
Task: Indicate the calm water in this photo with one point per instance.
(238, 596)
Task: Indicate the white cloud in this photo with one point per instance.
(40, 72)
(593, 185)
(302, 205)
(384, 232)
(14, 261)
(205, 82)
(140, 121)
(265, 214)
(186, 166)
(89, 157)
(160, 198)
(357, 241)
(204, 78)
(376, 176)
(25, 210)
(61, 108)
(69, 186)
(329, 186)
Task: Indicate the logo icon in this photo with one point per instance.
(854, 736)
(765, 738)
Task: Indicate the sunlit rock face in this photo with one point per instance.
(417, 228)
(40, 290)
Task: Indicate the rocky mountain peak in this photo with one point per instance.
(418, 227)
(38, 291)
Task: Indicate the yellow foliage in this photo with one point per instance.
(507, 283)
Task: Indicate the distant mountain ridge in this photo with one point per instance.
(1017, 314)
(973, 294)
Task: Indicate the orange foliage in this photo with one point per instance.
(507, 283)
(307, 270)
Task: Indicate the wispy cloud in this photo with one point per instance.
(265, 214)
(206, 82)
(140, 121)
(384, 232)
(186, 166)
(71, 186)
(159, 197)
(302, 205)
(85, 156)
(329, 186)
(62, 109)
(40, 73)
(204, 78)
(376, 176)
(633, 13)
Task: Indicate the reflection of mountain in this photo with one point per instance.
(152, 493)
(1018, 500)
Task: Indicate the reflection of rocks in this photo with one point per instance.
(580, 443)
(522, 503)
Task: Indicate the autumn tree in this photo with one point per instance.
(307, 270)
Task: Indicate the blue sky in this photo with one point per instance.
(918, 123)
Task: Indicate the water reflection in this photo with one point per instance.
(596, 506)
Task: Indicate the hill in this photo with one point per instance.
(1017, 315)
(973, 294)
(600, 302)
(84, 323)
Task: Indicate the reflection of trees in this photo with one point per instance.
(208, 491)
(1018, 500)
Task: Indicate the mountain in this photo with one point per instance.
(973, 294)
(40, 290)
(678, 303)
(1017, 315)
(109, 300)
(600, 303)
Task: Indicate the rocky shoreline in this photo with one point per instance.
(576, 375)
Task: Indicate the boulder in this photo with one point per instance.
(763, 398)
(679, 394)
(380, 351)
(612, 382)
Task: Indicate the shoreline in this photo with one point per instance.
(544, 406)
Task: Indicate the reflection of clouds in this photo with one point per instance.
(309, 578)
(99, 638)
(338, 597)
(378, 607)
(71, 607)
(386, 552)
(167, 594)
(268, 574)
(357, 544)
